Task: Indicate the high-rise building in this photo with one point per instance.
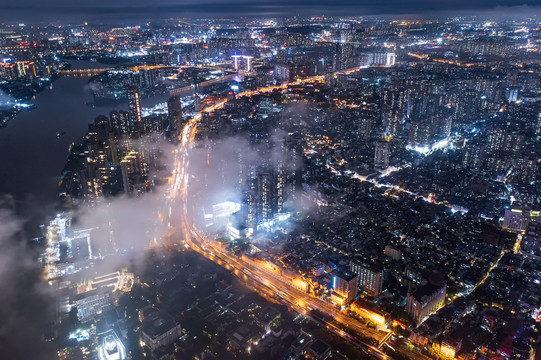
(147, 78)
(382, 154)
(429, 130)
(236, 62)
(531, 242)
(281, 56)
(281, 72)
(537, 127)
(153, 124)
(393, 107)
(121, 122)
(474, 154)
(8, 71)
(378, 59)
(341, 81)
(426, 299)
(448, 349)
(97, 174)
(251, 198)
(249, 64)
(134, 106)
(21, 70)
(273, 184)
(370, 277)
(503, 146)
(174, 112)
(343, 57)
(266, 194)
(384, 59)
(511, 94)
(133, 172)
(502, 139)
(525, 170)
(320, 67)
(241, 61)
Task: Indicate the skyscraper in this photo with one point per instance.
(281, 72)
(428, 130)
(174, 112)
(393, 105)
(281, 56)
(134, 106)
(537, 126)
(474, 153)
(382, 154)
(120, 122)
(343, 57)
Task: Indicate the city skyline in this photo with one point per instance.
(271, 187)
(99, 11)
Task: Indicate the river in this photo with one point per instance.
(31, 154)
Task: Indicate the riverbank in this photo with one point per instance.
(33, 156)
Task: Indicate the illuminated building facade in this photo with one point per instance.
(371, 312)
(281, 72)
(344, 286)
(382, 154)
(378, 59)
(343, 57)
(531, 242)
(426, 131)
(272, 184)
(121, 122)
(370, 277)
(242, 61)
(8, 71)
(425, 300)
(134, 106)
(447, 349)
(394, 104)
(517, 220)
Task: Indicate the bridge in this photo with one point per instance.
(190, 90)
(83, 72)
(93, 72)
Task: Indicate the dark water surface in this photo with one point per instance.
(31, 154)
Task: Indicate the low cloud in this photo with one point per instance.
(26, 302)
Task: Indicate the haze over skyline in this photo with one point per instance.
(101, 10)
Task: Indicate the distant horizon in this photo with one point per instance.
(103, 13)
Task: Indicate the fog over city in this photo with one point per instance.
(289, 180)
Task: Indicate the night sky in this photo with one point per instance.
(125, 9)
